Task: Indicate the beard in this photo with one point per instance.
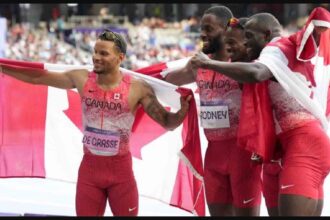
(254, 53)
(208, 50)
(213, 47)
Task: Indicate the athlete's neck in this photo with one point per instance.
(110, 80)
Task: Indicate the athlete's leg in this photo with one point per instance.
(305, 165)
(253, 211)
(299, 191)
(273, 211)
(246, 186)
(123, 193)
(90, 199)
(270, 186)
(217, 186)
(245, 181)
(220, 209)
(218, 193)
(124, 199)
(297, 205)
(314, 207)
(319, 208)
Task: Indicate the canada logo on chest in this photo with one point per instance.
(110, 102)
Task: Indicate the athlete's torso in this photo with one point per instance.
(107, 119)
(220, 102)
(289, 113)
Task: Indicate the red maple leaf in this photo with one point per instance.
(74, 112)
(144, 131)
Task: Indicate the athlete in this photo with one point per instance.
(232, 181)
(110, 99)
(270, 170)
(305, 145)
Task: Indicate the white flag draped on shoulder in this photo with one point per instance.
(301, 67)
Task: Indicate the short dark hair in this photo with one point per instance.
(117, 38)
(223, 13)
(267, 21)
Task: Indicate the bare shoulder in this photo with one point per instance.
(77, 73)
(140, 85)
(78, 77)
(141, 90)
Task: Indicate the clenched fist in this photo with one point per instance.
(199, 60)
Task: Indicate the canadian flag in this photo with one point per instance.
(302, 69)
(160, 70)
(40, 136)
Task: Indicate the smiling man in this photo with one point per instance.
(110, 99)
(232, 182)
(297, 100)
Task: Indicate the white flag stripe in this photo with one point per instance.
(165, 91)
(174, 65)
(292, 83)
(63, 146)
(156, 172)
(322, 79)
(308, 32)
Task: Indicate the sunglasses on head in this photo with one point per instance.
(234, 23)
(111, 36)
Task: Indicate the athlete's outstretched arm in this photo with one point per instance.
(239, 71)
(157, 112)
(64, 80)
(182, 76)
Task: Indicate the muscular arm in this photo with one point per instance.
(239, 71)
(181, 76)
(64, 80)
(157, 112)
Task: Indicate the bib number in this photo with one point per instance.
(214, 116)
(101, 142)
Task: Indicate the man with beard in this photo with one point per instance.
(305, 145)
(110, 100)
(270, 170)
(232, 181)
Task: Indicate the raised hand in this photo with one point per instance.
(199, 60)
(184, 100)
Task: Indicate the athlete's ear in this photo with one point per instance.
(268, 34)
(121, 57)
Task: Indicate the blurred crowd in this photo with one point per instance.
(40, 45)
(151, 41)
